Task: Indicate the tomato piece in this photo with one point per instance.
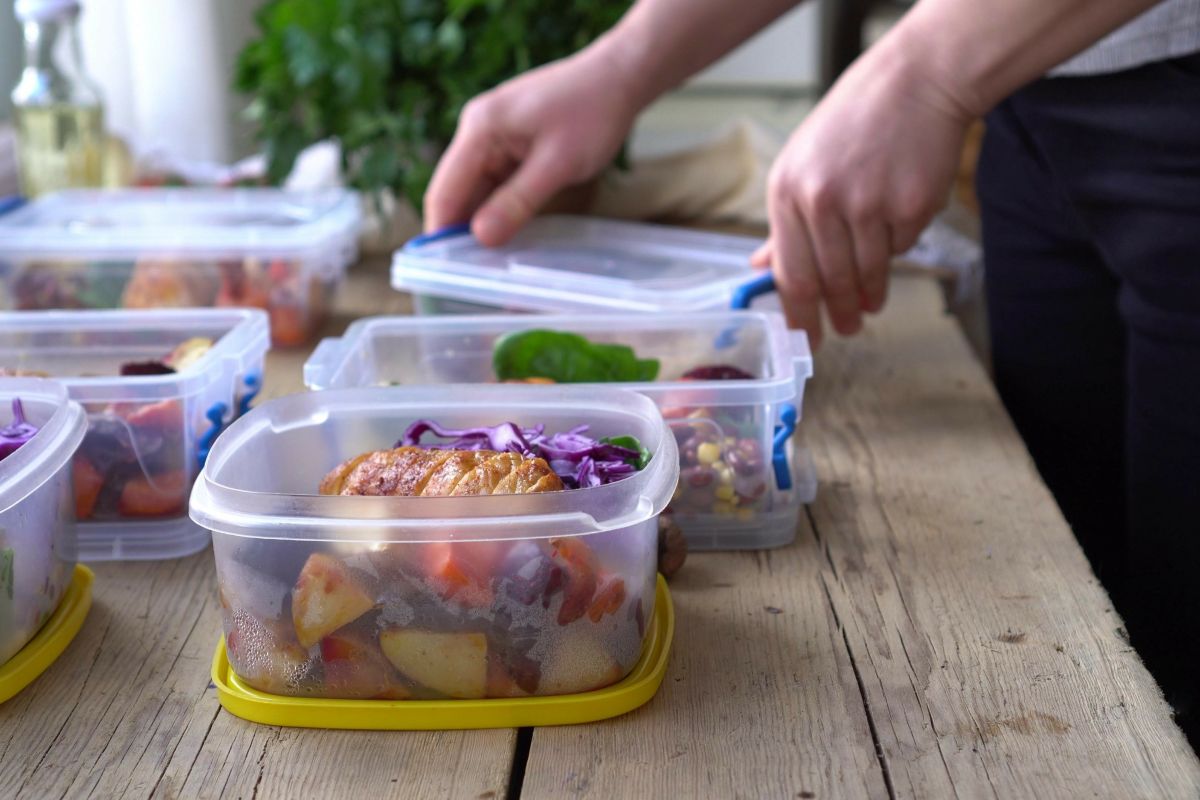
(165, 415)
(609, 598)
(579, 567)
(289, 325)
(463, 571)
(88, 483)
(164, 496)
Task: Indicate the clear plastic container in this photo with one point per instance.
(280, 251)
(148, 434)
(430, 597)
(576, 264)
(737, 489)
(37, 523)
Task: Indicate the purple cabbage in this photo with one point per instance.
(17, 432)
(578, 459)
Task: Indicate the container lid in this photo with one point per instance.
(44, 648)
(212, 223)
(261, 477)
(61, 426)
(241, 336)
(564, 263)
(637, 688)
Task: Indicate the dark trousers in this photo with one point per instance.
(1090, 192)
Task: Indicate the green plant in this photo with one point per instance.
(387, 78)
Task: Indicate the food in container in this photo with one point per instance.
(40, 430)
(157, 386)
(730, 383)
(280, 251)
(408, 596)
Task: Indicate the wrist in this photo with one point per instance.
(930, 64)
(627, 58)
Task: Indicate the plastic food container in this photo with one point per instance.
(37, 523)
(578, 264)
(170, 248)
(148, 434)
(738, 487)
(430, 598)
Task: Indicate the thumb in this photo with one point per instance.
(515, 202)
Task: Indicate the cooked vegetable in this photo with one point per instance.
(717, 372)
(579, 460)
(567, 358)
(16, 433)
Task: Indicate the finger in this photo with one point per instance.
(796, 270)
(764, 255)
(873, 254)
(460, 182)
(839, 274)
(515, 202)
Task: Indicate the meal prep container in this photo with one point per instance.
(430, 598)
(579, 264)
(37, 521)
(738, 489)
(168, 248)
(147, 435)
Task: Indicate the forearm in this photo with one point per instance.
(660, 43)
(980, 51)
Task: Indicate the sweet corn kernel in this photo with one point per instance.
(722, 509)
(708, 453)
(745, 514)
(725, 493)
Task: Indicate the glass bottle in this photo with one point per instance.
(56, 107)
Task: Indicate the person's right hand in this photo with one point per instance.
(519, 144)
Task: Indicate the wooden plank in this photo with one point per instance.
(759, 700)
(991, 660)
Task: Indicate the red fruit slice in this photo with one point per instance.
(88, 483)
(164, 495)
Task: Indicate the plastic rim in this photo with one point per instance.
(43, 649)
(412, 715)
(39, 10)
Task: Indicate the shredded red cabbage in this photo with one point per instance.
(578, 459)
(17, 432)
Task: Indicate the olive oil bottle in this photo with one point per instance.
(57, 109)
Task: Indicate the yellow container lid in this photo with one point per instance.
(410, 715)
(42, 650)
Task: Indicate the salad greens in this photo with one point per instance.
(631, 443)
(568, 358)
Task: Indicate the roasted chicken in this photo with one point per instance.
(418, 472)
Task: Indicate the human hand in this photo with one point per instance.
(519, 144)
(856, 183)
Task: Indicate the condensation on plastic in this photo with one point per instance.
(458, 350)
(84, 350)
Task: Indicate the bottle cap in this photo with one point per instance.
(40, 10)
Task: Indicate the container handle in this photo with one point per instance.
(783, 432)
(253, 383)
(11, 203)
(447, 232)
(755, 287)
(216, 423)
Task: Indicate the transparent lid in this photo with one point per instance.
(261, 478)
(563, 263)
(61, 426)
(84, 350)
(214, 223)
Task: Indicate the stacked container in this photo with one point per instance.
(37, 526)
(168, 248)
(147, 435)
(428, 600)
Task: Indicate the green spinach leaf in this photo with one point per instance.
(631, 442)
(568, 358)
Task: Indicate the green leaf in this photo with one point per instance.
(568, 358)
(631, 443)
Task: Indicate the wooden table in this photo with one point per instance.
(933, 632)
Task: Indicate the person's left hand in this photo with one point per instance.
(857, 182)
